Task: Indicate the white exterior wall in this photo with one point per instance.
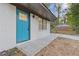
(7, 26)
(35, 32)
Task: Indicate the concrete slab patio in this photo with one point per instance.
(30, 48)
(74, 37)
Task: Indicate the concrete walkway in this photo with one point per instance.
(74, 37)
(32, 47)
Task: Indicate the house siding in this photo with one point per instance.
(35, 32)
(8, 27)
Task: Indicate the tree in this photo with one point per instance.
(73, 16)
(58, 10)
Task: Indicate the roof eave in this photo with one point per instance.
(42, 15)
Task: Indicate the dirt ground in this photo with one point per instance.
(61, 47)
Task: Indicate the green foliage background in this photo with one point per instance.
(73, 16)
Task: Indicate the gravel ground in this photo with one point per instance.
(61, 47)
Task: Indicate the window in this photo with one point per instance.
(42, 24)
(22, 16)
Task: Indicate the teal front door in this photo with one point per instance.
(22, 26)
